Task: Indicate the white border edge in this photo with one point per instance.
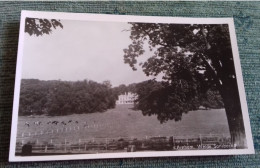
(17, 88)
(131, 155)
(241, 88)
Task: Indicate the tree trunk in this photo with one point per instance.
(236, 127)
(230, 95)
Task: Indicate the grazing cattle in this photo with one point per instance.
(70, 121)
(37, 123)
(55, 122)
(63, 123)
(49, 122)
(85, 124)
(27, 123)
(76, 122)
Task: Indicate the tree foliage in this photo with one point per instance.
(193, 60)
(63, 98)
(159, 98)
(37, 26)
(182, 52)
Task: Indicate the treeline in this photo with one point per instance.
(154, 98)
(64, 97)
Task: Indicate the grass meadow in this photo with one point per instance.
(121, 121)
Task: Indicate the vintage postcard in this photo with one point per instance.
(93, 86)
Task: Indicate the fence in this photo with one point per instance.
(126, 144)
(61, 130)
(51, 131)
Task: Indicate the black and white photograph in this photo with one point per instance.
(91, 86)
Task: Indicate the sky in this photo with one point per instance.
(81, 50)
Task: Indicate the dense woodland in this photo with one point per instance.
(63, 97)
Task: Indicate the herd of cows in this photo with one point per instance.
(64, 123)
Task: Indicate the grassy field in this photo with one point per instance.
(119, 122)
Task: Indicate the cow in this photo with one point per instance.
(27, 123)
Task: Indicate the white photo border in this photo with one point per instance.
(128, 18)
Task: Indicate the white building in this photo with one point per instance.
(127, 98)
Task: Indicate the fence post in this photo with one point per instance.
(51, 141)
(106, 144)
(200, 140)
(173, 139)
(46, 148)
(65, 145)
(79, 144)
